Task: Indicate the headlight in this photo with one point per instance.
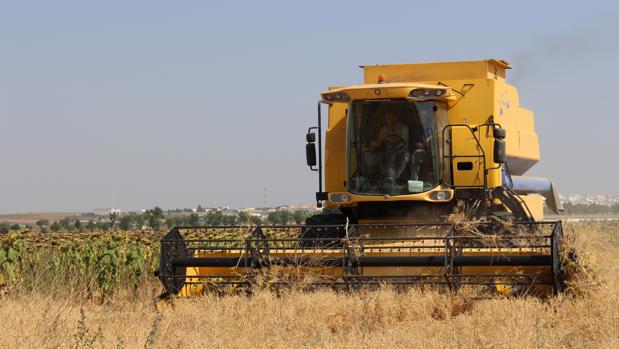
(428, 92)
(340, 197)
(442, 195)
(335, 97)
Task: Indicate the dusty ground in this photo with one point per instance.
(587, 317)
(33, 217)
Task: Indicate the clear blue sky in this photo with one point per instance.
(179, 103)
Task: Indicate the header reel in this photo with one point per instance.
(511, 259)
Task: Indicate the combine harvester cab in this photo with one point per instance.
(423, 176)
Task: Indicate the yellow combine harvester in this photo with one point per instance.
(424, 185)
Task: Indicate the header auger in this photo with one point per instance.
(423, 182)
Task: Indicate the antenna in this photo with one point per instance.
(264, 197)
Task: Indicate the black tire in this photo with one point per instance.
(323, 226)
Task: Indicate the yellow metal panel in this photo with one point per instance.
(535, 203)
(525, 121)
(382, 91)
(464, 144)
(335, 148)
(522, 145)
(476, 106)
(486, 69)
(425, 196)
(529, 146)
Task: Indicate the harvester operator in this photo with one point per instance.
(392, 147)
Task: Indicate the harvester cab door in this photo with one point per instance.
(467, 158)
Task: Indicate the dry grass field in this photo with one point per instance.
(587, 316)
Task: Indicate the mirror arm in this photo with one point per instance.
(314, 159)
(319, 149)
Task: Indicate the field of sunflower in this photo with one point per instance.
(85, 264)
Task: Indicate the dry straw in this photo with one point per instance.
(584, 317)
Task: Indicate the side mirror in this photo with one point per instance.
(499, 151)
(499, 133)
(310, 137)
(310, 149)
(310, 154)
(499, 145)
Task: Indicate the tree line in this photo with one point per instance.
(158, 219)
(591, 208)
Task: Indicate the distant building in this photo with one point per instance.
(227, 211)
(579, 199)
(106, 211)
